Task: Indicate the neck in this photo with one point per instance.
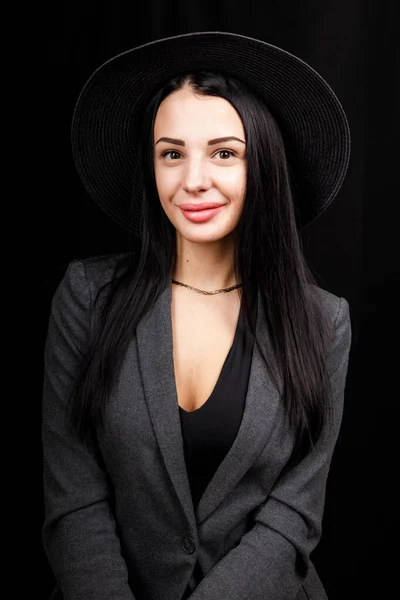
(206, 266)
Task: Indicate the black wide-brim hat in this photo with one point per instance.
(104, 126)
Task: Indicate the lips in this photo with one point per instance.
(201, 206)
(201, 215)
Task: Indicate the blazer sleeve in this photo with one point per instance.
(271, 560)
(79, 530)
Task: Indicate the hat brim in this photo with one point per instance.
(313, 123)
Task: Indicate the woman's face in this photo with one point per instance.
(200, 157)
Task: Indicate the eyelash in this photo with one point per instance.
(164, 153)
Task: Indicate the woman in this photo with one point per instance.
(193, 387)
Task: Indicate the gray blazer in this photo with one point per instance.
(119, 520)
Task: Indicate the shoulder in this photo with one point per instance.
(98, 270)
(337, 310)
(87, 276)
(74, 298)
(82, 281)
(334, 306)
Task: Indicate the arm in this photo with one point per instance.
(271, 560)
(79, 532)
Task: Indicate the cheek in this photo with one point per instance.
(234, 184)
(167, 183)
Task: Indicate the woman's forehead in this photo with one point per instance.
(189, 112)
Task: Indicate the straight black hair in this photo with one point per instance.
(268, 251)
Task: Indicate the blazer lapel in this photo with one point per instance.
(154, 336)
(262, 401)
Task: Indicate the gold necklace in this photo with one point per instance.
(204, 292)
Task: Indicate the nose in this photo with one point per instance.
(196, 177)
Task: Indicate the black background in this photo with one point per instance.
(352, 247)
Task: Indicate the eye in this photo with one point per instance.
(225, 154)
(172, 154)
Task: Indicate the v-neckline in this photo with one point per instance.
(190, 412)
(154, 347)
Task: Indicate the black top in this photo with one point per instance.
(209, 432)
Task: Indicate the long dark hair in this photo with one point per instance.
(268, 251)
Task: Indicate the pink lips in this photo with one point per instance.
(200, 206)
(198, 213)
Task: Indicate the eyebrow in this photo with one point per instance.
(210, 142)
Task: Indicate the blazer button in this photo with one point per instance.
(188, 544)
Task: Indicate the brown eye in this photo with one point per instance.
(173, 154)
(224, 154)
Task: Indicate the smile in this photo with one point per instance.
(200, 216)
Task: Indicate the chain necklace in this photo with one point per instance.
(207, 293)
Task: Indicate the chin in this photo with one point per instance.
(202, 237)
